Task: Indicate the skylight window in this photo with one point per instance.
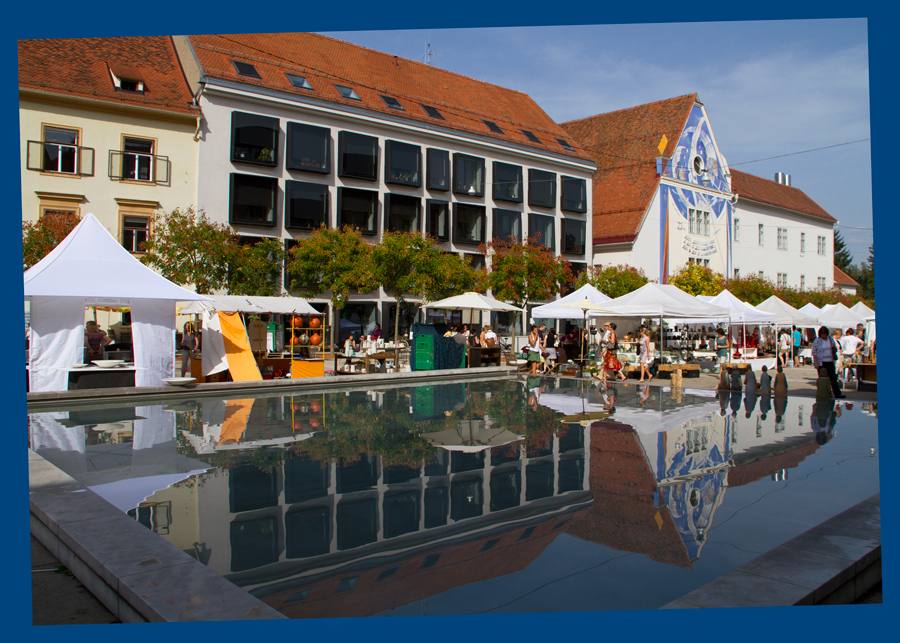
(530, 136)
(565, 144)
(431, 111)
(392, 102)
(298, 81)
(492, 126)
(347, 92)
(245, 69)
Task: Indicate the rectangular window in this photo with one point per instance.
(402, 212)
(737, 273)
(821, 246)
(137, 160)
(692, 222)
(437, 219)
(762, 274)
(358, 208)
(254, 138)
(402, 163)
(134, 232)
(542, 188)
(358, 156)
(306, 205)
(802, 242)
(821, 282)
(782, 238)
(543, 228)
(573, 234)
(574, 194)
(60, 150)
(737, 229)
(706, 225)
(761, 234)
(253, 199)
(438, 170)
(506, 224)
(802, 282)
(468, 175)
(781, 279)
(507, 182)
(469, 223)
(308, 148)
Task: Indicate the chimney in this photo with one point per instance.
(783, 179)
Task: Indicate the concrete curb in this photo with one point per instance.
(831, 564)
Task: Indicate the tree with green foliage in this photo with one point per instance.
(42, 236)
(865, 277)
(695, 279)
(332, 260)
(409, 263)
(613, 281)
(189, 249)
(751, 288)
(521, 273)
(256, 268)
(843, 259)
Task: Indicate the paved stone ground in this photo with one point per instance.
(58, 598)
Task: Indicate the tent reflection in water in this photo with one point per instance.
(471, 436)
(90, 268)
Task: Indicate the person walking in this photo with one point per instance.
(825, 353)
(797, 337)
(190, 344)
(723, 347)
(644, 356)
(784, 347)
(850, 349)
(611, 360)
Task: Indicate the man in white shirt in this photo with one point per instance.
(823, 354)
(850, 346)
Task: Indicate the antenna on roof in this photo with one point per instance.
(428, 54)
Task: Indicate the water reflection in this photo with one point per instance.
(358, 503)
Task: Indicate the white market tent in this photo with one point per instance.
(662, 300)
(839, 316)
(90, 268)
(471, 301)
(861, 309)
(252, 305)
(810, 309)
(557, 309)
(786, 314)
(741, 313)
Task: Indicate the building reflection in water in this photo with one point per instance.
(355, 503)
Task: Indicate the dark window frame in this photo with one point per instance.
(250, 70)
(533, 220)
(303, 84)
(429, 229)
(480, 211)
(392, 102)
(566, 185)
(582, 228)
(256, 121)
(432, 111)
(345, 138)
(535, 194)
(343, 192)
(289, 215)
(501, 182)
(531, 136)
(504, 212)
(492, 126)
(443, 158)
(458, 177)
(391, 150)
(294, 130)
(350, 94)
(272, 181)
(391, 199)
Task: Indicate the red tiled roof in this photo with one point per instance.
(841, 277)
(624, 144)
(464, 102)
(80, 67)
(769, 192)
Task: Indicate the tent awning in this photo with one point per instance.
(471, 301)
(252, 305)
(662, 300)
(557, 309)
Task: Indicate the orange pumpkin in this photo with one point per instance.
(315, 407)
(315, 339)
(297, 424)
(297, 322)
(295, 340)
(314, 423)
(314, 322)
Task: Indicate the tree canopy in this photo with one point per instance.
(42, 236)
(695, 279)
(843, 259)
(613, 281)
(521, 273)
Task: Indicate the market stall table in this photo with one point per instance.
(382, 357)
(866, 375)
(86, 377)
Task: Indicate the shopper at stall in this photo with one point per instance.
(851, 346)
(644, 356)
(825, 353)
(723, 347)
(95, 340)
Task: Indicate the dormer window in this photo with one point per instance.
(298, 81)
(126, 80)
(245, 69)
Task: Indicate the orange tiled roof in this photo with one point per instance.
(624, 145)
(841, 277)
(769, 192)
(464, 102)
(80, 67)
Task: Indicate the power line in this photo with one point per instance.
(780, 156)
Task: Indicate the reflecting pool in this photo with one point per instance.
(501, 496)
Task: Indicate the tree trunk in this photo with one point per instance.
(397, 320)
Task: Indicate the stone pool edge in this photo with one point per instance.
(833, 563)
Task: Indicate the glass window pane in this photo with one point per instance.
(508, 182)
(358, 155)
(253, 199)
(573, 236)
(309, 148)
(507, 223)
(402, 211)
(542, 228)
(574, 194)
(358, 208)
(438, 169)
(254, 138)
(468, 224)
(307, 205)
(438, 220)
(468, 175)
(403, 163)
(542, 188)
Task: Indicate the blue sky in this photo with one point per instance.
(771, 88)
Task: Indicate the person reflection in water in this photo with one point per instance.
(765, 405)
(823, 419)
(750, 402)
(724, 397)
(735, 401)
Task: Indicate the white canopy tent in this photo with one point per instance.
(90, 268)
(252, 305)
(662, 300)
(861, 309)
(786, 315)
(741, 313)
(557, 309)
(839, 316)
(472, 301)
(810, 309)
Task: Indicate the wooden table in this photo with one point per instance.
(381, 357)
(687, 370)
(738, 366)
(866, 375)
(95, 377)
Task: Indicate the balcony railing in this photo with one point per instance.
(135, 166)
(60, 158)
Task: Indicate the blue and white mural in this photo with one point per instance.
(696, 160)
